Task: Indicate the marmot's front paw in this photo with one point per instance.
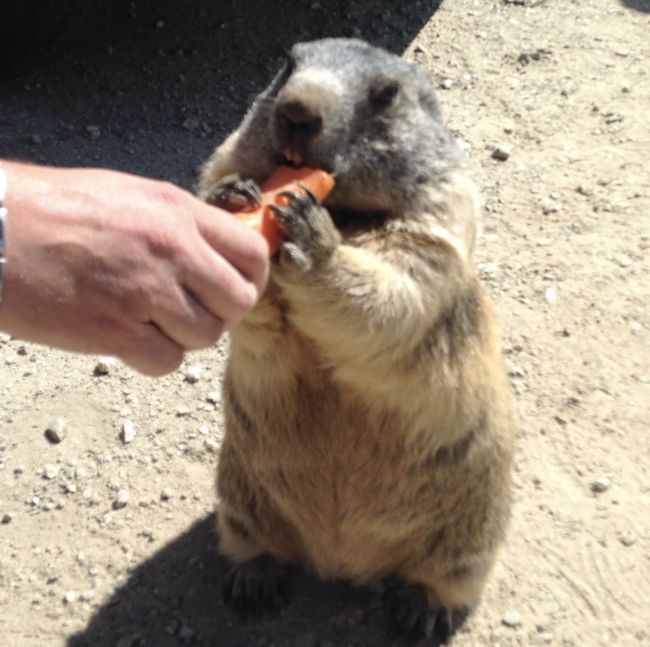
(309, 230)
(235, 193)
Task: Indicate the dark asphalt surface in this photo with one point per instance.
(150, 88)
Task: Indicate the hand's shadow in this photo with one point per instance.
(174, 598)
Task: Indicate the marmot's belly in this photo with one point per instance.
(357, 514)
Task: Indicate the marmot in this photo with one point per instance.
(369, 419)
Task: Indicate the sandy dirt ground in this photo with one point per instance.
(564, 251)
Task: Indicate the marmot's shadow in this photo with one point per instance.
(639, 5)
(174, 598)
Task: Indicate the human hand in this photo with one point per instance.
(109, 263)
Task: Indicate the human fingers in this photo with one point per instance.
(219, 286)
(245, 249)
(188, 323)
(151, 352)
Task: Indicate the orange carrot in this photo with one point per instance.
(284, 178)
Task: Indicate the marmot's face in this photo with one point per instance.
(362, 113)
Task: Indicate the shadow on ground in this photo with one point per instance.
(639, 5)
(174, 598)
(151, 87)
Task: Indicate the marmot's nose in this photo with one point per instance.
(299, 118)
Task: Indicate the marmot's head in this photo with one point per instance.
(358, 111)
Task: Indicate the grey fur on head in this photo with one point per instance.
(358, 111)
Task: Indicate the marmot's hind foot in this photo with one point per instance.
(257, 587)
(411, 621)
(235, 193)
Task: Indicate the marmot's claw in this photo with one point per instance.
(299, 200)
(252, 191)
(308, 228)
(283, 213)
(308, 192)
(235, 193)
(256, 587)
(411, 618)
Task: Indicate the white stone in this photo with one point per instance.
(601, 484)
(511, 618)
(128, 432)
(550, 294)
(121, 499)
(50, 471)
(55, 431)
(104, 365)
(70, 597)
(193, 373)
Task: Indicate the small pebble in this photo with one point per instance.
(182, 412)
(128, 432)
(70, 597)
(6, 519)
(447, 84)
(635, 327)
(601, 484)
(193, 374)
(55, 431)
(214, 397)
(93, 132)
(627, 540)
(105, 365)
(516, 371)
(502, 153)
(211, 445)
(550, 294)
(166, 494)
(121, 499)
(37, 139)
(50, 471)
(623, 261)
(511, 618)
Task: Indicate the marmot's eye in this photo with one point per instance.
(383, 95)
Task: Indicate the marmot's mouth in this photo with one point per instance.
(292, 157)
